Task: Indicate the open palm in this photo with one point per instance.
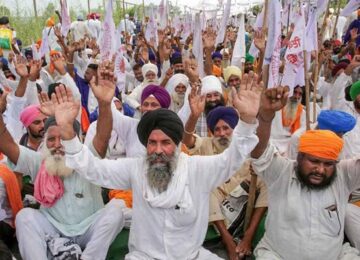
(66, 108)
(196, 101)
(104, 89)
(247, 99)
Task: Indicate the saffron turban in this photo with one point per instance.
(336, 121)
(149, 67)
(228, 114)
(29, 114)
(231, 71)
(321, 143)
(210, 84)
(159, 93)
(162, 119)
(355, 90)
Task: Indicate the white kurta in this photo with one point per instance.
(158, 232)
(299, 224)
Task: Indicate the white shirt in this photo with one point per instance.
(157, 232)
(298, 225)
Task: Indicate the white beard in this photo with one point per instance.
(55, 164)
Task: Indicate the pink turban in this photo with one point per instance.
(159, 93)
(29, 114)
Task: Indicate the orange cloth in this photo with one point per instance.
(125, 195)
(12, 189)
(321, 143)
(357, 203)
(293, 124)
(50, 22)
(216, 71)
(85, 121)
(1, 156)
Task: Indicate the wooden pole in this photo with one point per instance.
(35, 9)
(315, 81)
(88, 6)
(265, 70)
(124, 18)
(307, 92)
(321, 38)
(336, 19)
(253, 180)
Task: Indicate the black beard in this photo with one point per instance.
(179, 71)
(213, 104)
(304, 179)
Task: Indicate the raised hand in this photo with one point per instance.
(35, 67)
(247, 98)
(103, 86)
(66, 107)
(47, 107)
(259, 40)
(196, 100)
(21, 66)
(190, 67)
(57, 60)
(57, 32)
(209, 38)
(274, 99)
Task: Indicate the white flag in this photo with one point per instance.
(351, 6)
(44, 48)
(65, 18)
(120, 69)
(239, 49)
(107, 42)
(163, 14)
(198, 46)
(225, 17)
(253, 51)
(274, 25)
(311, 42)
(294, 58)
(321, 7)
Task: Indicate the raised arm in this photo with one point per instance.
(7, 144)
(197, 106)
(272, 100)
(104, 91)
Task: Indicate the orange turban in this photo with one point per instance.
(321, 143)
(50, 22)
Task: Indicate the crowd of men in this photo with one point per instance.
(176, 148)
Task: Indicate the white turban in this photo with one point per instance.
(175, 80)
(149, 67)
(210, 84)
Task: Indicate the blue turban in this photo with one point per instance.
(336, 121)
(228, 114)
(216, 54)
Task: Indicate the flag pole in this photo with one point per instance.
(337, 18)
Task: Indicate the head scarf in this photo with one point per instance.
(50, 22)
(210, 84)
(355, 90)
(149, 67)
(176, 58)
(228, 114)
(175, 80)
(249, 58)
(159, 93)
(336, 121)
(341, 65)
(231, 71)
(162, 119)
(29, 114)
(321, 143)
(216, 54)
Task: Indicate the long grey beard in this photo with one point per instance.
(159, 174)
(55, 164)
(221, 143)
